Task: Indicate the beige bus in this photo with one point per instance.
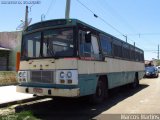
(69, 58)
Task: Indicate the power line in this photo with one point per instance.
(130, 39)
(111, 26)
(143, 34)
(49, 7)
(150, 50)
(31, 6)
(113, 11)
(96, 16)
(103, 20)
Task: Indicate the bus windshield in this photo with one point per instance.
(49, 43)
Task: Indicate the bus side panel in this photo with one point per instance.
(118, 72)
(87, 84)
(120, 78)
(110, 65)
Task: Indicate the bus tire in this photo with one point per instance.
(135, 84)
(99, 95)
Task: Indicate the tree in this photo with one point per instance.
(158, 62)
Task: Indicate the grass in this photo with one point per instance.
(24, 115)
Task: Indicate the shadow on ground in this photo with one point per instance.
(78, 109)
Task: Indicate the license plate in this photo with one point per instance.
(37, 90)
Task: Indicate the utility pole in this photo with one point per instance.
(26, 18)
(68, 2)
(125, 37)
(42, 17)
(158, 52)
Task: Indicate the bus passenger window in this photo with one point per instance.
(106, 45)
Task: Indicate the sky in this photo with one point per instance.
(139, 20)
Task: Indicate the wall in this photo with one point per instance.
(11, 40)
(8, 78)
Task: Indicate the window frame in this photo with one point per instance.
(117, 48)
(93, 33)
(109, 40)
(41, 43)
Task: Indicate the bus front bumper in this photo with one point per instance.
(49, 91)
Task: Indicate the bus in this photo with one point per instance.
(69, 58)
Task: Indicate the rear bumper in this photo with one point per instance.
(49, 91)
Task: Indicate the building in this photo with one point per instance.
(10, 43)
(4, 59)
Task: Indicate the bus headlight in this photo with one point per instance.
(19, 74)
(62, 75)
(22, 73)
(22, 76)
(67, 77)
(69, 74)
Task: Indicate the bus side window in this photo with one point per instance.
(88, 48)
(106, 45)
(85, 48)
(95, 46)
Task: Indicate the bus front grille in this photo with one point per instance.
(42, 76)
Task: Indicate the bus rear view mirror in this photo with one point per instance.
(88, 37)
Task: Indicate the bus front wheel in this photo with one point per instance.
(100, 93)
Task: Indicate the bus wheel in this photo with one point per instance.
(135, 84)
(99, 96)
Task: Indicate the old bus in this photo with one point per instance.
(69, 58)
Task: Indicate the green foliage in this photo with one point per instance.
(24, 115)
(158, 62)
